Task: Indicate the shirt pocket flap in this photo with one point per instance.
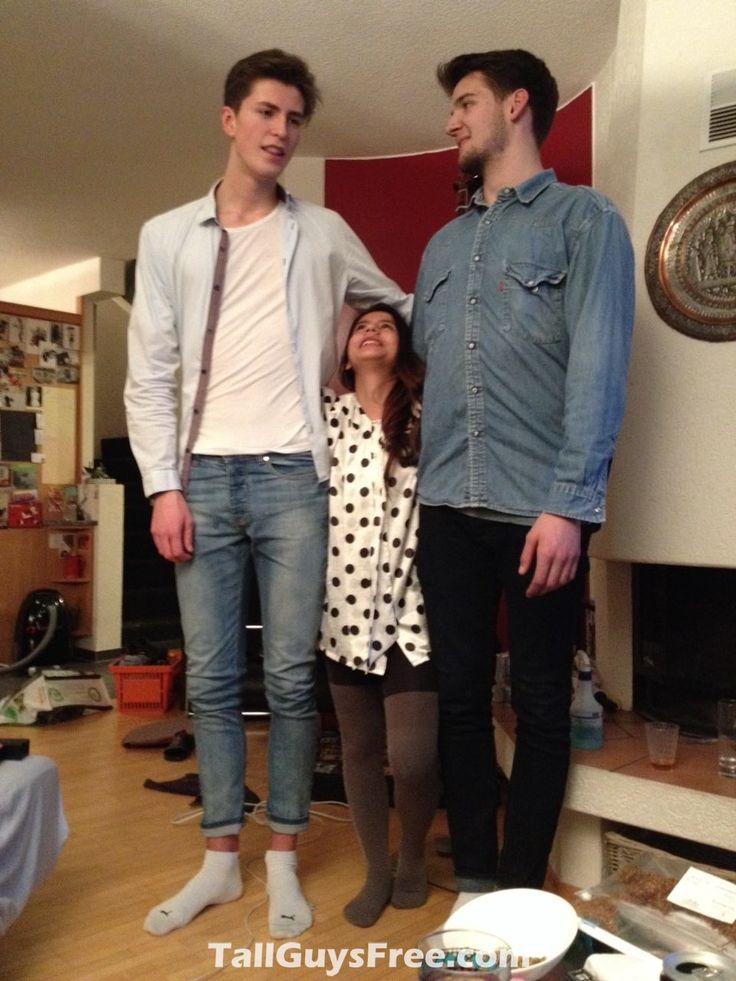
(531, 275)
(437, 282)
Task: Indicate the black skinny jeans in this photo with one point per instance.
(464, 565)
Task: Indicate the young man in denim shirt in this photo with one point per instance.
(231, 337)
(523, 312)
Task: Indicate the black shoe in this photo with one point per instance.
(180, 747)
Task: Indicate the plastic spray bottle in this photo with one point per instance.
(586, 713)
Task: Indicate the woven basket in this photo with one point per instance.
(619, 851)
(145, 689)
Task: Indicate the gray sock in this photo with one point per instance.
(410, 885)
(364, 909)
(412, 731)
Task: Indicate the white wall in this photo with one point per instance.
(111, 317)
(305, 178)
(59, 289)
(671, 497)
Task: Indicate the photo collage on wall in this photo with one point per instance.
(36, 356)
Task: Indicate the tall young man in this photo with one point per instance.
(232, 335)
(523, 312)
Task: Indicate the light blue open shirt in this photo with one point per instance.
(524, 312)
(182, 261)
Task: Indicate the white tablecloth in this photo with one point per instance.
(33, 830)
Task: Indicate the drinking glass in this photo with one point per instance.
(727, 737)
(464, 953)
(662, 743)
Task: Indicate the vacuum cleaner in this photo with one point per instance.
(42, 631)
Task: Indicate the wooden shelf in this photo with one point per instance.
(57, 526)
(28, 563)
(69, 525)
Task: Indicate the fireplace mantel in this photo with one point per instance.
(618, 784)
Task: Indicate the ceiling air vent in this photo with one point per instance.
(719, 117)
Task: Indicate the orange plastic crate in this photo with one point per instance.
(145, 689)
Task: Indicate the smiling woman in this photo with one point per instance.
(373, 628)
(374, 338)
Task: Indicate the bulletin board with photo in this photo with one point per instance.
(39, 403)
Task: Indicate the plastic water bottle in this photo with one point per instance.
(586, 714)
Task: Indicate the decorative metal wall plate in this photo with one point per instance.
(691, 257)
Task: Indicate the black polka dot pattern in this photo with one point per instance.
(373, 600)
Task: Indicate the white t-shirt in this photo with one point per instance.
(253, 403)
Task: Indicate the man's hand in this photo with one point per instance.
(172, 526)
(553, 548)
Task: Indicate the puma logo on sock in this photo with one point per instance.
(218, 881)
(288, 911)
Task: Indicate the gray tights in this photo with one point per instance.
(406, 724)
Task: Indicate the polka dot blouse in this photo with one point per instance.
(373, 599)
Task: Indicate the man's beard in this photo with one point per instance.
(472, 163)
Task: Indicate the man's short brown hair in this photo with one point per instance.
(505, 72)
(272, 63)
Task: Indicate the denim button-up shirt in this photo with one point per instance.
(523, 312)
(180, 275)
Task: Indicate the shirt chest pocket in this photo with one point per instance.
(434, 297)
(534, 296)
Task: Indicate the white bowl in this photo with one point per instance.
(534, 923)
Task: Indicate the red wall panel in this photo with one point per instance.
(395, 204)
(569, 146)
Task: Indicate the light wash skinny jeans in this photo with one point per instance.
(264, 514)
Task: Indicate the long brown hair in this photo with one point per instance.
(400, 419)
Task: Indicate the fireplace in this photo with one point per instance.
(684, 642)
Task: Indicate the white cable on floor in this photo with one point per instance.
(260, 807)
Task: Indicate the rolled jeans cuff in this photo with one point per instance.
(286, 827)
(222, 831)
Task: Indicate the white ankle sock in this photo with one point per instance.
(289, 914)
(218, 881)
